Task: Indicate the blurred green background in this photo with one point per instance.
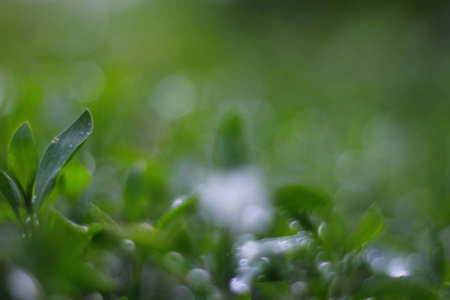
(351, 97)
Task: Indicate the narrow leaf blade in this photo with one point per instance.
(189, 204)
(9, 189)
(134, 193)
(23, 159)
(436, 256)
(230, 148)
(58, 153)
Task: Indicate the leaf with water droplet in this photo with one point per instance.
(58, 154)
(9, 189)
(230, 148)
(23, 159)
(186, 206)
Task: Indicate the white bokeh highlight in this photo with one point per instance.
(237, 200)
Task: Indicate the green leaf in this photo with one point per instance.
(95, 214)
(9, 189)
(58, 153)
(367, 227)
(297, 199)
(136, 199)
(230, 148)
(23, 159)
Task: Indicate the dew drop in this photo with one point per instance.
(294, 225)
(146, 226)
(265, 260)
(128, 245)
(243, 262)
(177, 203)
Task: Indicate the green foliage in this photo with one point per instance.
(310, 252)
(346, 105)
(23, 164)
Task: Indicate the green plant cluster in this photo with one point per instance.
(56, 243)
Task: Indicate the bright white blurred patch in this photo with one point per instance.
(177, 202)
(237, 200)
(250, 249)
(174, 97)
(394, 267)
(22, 286)
(239, 286)
(397, 267)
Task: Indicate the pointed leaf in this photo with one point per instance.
(23, 159)
(9, 189)
(58, 153)
(185, 206)
(134, 194)
(436, 256)
(367, 228)
(230, 148)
